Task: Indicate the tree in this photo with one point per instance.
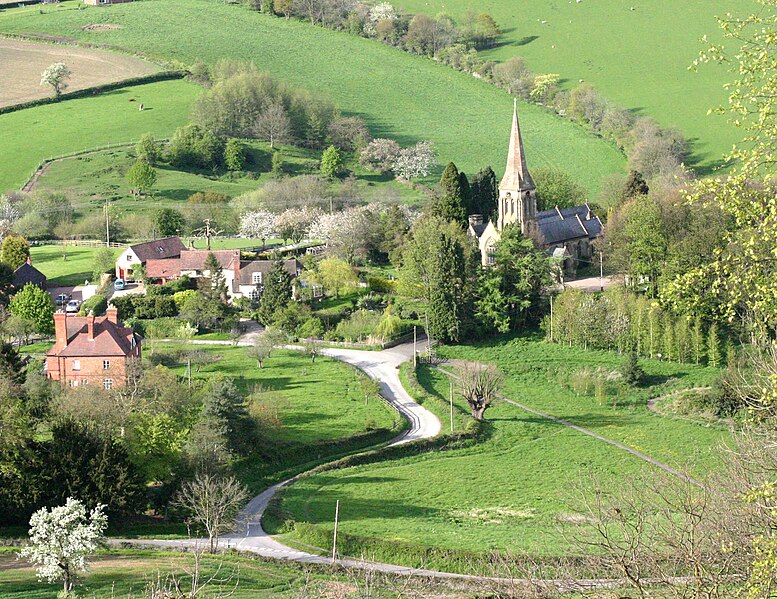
(14, 251)
(193, 146)
(56, 75)
(234, 155)
(485, 193)
(276, 294)
(61, 540)
(277, 165)
(714, 352)
(104, 261)
(635, 185)
(202, 311)
(257, 225)
(349, 133)
(331, 162)
(273, 125)
(510, 293)
(213, 502)
(479, 386)
(414, 162)
(169, 222)
(264, 343)
(34, 304)
(450, 205)
(557, 188)
(336, 275)
(380, 154)
(215, 288)
(223, 404)
(141, 178)
(632, 372)
(294, 223)
(147, 149)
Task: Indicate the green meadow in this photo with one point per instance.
(404, 97)
(513, 489)
(635, 53)
(35, 134)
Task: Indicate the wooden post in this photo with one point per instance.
(189, 371)
(601, 271)
(415, 352)
(334, 539)
(551, 318)
(451, 401)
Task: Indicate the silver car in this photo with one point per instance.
(73, 306)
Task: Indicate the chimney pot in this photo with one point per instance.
(112, 314)
(90, 325)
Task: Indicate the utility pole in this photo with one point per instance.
(334, 539)
(601, 271)
(415, 352)
(450, 395)
(107, 227)
(189, 371)
(551, 318)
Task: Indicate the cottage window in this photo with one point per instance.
(253, 294)
(76, 364)
(108, 384)
(256, 278)
(106, 364)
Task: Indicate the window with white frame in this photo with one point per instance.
(253, 294)
(76, 364)
(256, 278)
(107, 384)
(106, 364)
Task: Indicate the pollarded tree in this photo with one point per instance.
(276, 294)
(479, 386)
(14, 251)
(141, 178)
(331, 162)
(56, 76)
(34, 304)
(61, 540)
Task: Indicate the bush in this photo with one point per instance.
(163, 328)
(97, 304)
(381, 285)
(359, 326)
(180, 297)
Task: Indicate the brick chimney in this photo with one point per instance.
(112, 314)
(60, 331)
(90, 326)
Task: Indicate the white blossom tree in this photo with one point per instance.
(294, 223)
(380, 12)
(9, 214)
(257, 224)
(416, 161)
(61, 539)
(380, 154)
(349, 231)
(56, 76)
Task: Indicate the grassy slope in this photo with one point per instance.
(528, 466)
(401, 96)
(636, 58)
(32, 135)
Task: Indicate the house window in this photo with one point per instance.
(256, 278)
(76, 364)
(108, 384)
(253, 294)
(106, 364)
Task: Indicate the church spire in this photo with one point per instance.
(516, 175)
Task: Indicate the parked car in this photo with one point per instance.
(73, 306)
(119, 284)
(62, 299)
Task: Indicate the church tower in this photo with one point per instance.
(517, 200)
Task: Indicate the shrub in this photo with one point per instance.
(359, 326)
(381, 285)
(180, 297)
(97, 304)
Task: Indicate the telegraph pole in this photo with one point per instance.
(601, 272)
(551, 318)
(415, 352)
(107, 227)
(450, 395)
(334, 539)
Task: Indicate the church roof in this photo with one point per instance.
(516, 175)
(565, 224)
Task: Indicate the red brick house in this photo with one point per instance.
(91, 350)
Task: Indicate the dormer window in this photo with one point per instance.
(256, 278)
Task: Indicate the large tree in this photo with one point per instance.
(276, 293)
(14, 251)
(169, 222)
(479, 386)
(56, 76)
(141, 178)
(34, 304)
(557, 188)
(485, 193)
(450, 204)
(223, 404)
(273, 125)
(510, 290)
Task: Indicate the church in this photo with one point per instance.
(567, 233)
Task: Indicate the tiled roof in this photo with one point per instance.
(110, 339)
(169, 247)
(247, 268)
(565, 224)
(163, 269)
(27, 273)
(195, 259)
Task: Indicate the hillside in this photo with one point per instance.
(401, 96)
(642, 65)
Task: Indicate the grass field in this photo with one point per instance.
(23, 62)
(401, 96)
(316, 406)
(93, 178)
(635, 53)
(511, 490)
(35, 134)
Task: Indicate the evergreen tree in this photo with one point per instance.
(668, 344)
(697, 341)
(14, 251)
(234, 155)
(632, 371)
(485, 194)
(714, 351)
(276, 294)
(216, 288)
(331, 162)
(444, 305)
(682, 339)
(466, 193)
(277, 165)
(224, 407)
(635, 185)
(449, 205)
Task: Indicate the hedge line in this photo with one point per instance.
(98, 89)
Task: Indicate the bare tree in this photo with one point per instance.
(213, 502)
(264, 343)
(193, 582)
(479, 385)
(273, 125)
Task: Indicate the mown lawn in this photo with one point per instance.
(513, 490)
(32, 135)
(308, 414)
(605, 43)
(65, 265)
(401, 96)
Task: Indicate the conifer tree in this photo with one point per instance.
(714, 353)
(466, 193)
(450, 206)
(682, 339)
(697, 340)
(668, 345)
(485, 194)
(276, 294)
(216, 290)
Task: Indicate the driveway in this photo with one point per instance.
(130, 289)
(78, 292)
